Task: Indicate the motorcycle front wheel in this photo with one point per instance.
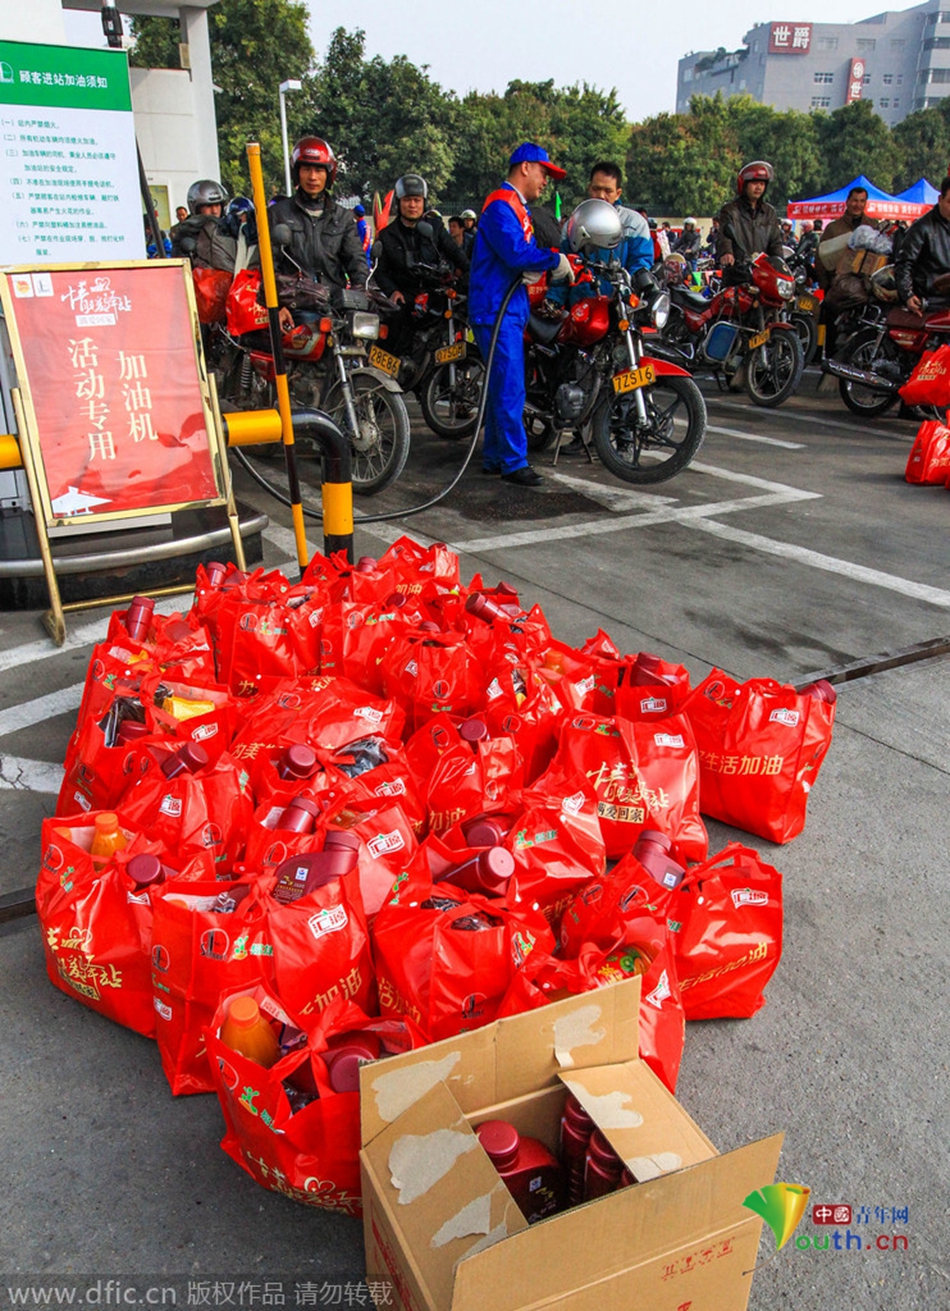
(773, 371)
(661, 447)
(807, 329)
(863, 351)
(380, 446)
(450, 411)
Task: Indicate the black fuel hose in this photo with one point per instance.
(278, 495)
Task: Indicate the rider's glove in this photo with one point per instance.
(563, 272)
(532, 276)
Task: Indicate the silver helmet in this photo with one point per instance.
(594, 225)
(206, 192)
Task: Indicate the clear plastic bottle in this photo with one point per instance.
(107, 839)
(245, 1030)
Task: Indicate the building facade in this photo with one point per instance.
(899, 60)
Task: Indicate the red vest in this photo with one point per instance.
(517, 204)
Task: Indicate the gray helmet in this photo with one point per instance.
(205, 192)
(411, 184)
(594, 225)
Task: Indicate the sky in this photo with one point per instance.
(482, 45)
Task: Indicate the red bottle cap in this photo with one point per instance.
(483, 833)
(495, 865)
(345, 1053)
(298, 761)
(395, 600)
(138, 618)
(473, 730)
(603, 1155)
(821, 690)
(216, 572)
(130, 730)
(576, 1116)
(649, 835)
(366, 564)
(427, 626)
(192, 756)
(338, 839)
(299, 815)
(145, 869)
(483, 607)
(500, 1141)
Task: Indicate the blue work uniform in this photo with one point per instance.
(504, 249)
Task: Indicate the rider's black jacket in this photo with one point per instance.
(401, 247)
(924, 255)
(324, 239)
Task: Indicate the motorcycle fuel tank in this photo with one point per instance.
(587, 321)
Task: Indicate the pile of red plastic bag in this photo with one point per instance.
(383, 804)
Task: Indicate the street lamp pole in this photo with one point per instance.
(290, 85)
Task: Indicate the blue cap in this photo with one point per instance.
(529, 152)
(359, 209)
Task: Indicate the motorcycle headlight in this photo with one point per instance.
(365, 325)
(786, 288)
(660, 310)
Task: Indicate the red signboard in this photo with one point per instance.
(855, 81)
(108, 370)
(789, 38)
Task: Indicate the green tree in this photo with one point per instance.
(787, 139)
(255, 45)
(684, 163)
(382, 118)
(854, 140)
(922, 146)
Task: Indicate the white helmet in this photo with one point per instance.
(689, 223)
(594, 225)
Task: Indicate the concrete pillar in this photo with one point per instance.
(194, 30)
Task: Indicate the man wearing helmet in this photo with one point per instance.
(688, 242)
(323, 237)
(505, 252)
(202, 236)
(402, 247)
(748, 225)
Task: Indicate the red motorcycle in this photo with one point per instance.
(877, 361)
(589, 364)
(741, 332)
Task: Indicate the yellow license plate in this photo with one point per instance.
(631, 379)
(758, 340)
(807, 303)
(449, 353)
(383, 360)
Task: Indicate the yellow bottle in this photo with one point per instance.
(107, 839)
(246, 1031)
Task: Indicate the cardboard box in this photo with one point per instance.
(442, 1229)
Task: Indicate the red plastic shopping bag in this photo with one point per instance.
(761, 745)
(211, 294)
(929, 459)
(929, 384)
(725, 924)
(243, 312)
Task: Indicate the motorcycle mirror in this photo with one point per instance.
(281, 234)
(375, 251)
(425, 230)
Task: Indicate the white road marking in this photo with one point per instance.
(611, 496)
(854, 427)
(755, 437)
(22, 775)
(40, 709)
(815, 560)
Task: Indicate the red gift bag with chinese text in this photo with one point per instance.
(929, 459)
(929, 384)
(761, 745)
(557, 845)
(725, 924)
(242, 310)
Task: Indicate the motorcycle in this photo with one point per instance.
(741, 331)
(442, 366)
(328, 368)
(589, 364)
(805, 307)
(879, 358)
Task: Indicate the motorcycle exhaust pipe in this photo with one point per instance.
(873, 381)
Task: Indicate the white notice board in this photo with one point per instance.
(69, 182)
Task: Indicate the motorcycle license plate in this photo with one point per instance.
(631, 379)
(807, 303)
(758, 340)
(449, 353)
(383, 360)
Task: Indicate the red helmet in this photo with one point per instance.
(313, 150)
(759, 170)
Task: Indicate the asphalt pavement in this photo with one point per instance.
(791, 547)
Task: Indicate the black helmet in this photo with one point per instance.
(411, 184)
(205, 192)
(240, 213)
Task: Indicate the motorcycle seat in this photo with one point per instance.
(696, 301)
(901, 318)
(543, 330)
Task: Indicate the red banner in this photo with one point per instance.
(855, 81)
(108, 366)
(789, 38)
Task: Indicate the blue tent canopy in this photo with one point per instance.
(837, 198)
(921, 193)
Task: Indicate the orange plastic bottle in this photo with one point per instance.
(107, 839)
(246, 1031)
